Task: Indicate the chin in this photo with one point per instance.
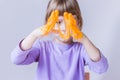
(65, 41)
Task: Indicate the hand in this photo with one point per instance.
(44, 30)
(52, 20)
(71, 27)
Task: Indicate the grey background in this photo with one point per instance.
(19, 17)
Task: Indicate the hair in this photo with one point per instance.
(70, 6)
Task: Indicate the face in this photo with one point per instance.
(61, 24)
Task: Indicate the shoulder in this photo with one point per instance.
(78, 45)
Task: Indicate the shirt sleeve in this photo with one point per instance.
(99, 67)
(21, 57)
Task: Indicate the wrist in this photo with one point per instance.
(84, 39)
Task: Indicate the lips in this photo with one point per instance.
(57, 31)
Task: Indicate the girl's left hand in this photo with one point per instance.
(72, 27)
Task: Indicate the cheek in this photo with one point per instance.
(62, 26)
(56, 26)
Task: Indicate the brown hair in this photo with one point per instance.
(70, 6)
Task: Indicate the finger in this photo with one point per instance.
(66, 19)
(51, 16)
(71, 17)
(65, 15)
(56, 13)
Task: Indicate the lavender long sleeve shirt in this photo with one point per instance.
(58, 61)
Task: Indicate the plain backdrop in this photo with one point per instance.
(19, 17)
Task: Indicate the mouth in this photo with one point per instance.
(57, 31)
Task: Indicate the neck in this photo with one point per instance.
(62, 42)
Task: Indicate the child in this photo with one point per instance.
(60, 59)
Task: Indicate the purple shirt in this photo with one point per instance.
(58, 61)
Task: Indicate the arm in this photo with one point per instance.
(28, 50)
(92, 51)
(21, 56)
(93, 57)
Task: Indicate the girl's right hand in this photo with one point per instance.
(45, 29)
(28, 42)
(39, 32)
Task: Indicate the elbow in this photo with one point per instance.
(102, 69)
(103, 66)
(16, 62)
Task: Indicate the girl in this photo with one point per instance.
(59, 59)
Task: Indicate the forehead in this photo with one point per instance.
(62, 7)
